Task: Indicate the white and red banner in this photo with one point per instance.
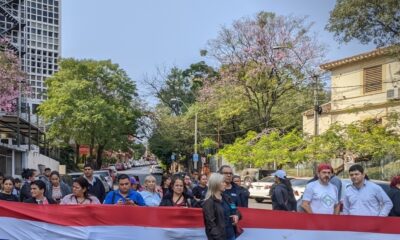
(104, 222)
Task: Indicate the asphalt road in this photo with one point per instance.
(142, 172)
(263, 205)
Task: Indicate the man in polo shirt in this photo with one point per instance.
(321, 196)
(363, 197)
(124, 195)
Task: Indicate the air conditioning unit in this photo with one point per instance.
(393, 94)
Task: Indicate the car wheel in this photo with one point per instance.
(259, 200)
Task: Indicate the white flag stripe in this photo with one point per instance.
(16, 229)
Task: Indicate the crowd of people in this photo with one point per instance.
(218, 194)
(324, 194)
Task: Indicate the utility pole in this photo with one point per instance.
(195, 140)
(316, 106)
(316, 120)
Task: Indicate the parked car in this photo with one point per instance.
(104, 181)
(119, 166)
(156, 169)
(113, 172)
(107, 176)
(136, 163)
(75, 175)
(299, 185)
(250, 175)
(260, 190)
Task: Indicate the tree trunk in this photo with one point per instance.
(77, 146)
(91, 147)
(99, 159)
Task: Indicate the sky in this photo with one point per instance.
(142, 36)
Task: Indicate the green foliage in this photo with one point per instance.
(171, 134)
(261, 149)
(93, 103)
(366, 140)
(209, 143)
(376, 21)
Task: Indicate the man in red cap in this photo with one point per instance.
(321, 196)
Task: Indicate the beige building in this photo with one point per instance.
(362, 86)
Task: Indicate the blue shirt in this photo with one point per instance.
(369, 200)
(114, 196)
(152, 199)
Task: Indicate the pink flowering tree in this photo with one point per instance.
(262, 60)
(12, 79)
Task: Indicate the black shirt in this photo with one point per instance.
(8, 197)
(199, 192)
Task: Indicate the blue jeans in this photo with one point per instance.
(232, 238)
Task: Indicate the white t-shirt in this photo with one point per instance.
(322, 198)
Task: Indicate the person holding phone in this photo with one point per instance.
(57, 189)
(124, 195)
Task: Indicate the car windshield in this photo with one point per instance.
(102, 173)
(299, 182)
(267, 179)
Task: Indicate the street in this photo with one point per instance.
(142, 172)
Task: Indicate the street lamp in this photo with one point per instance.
(195, 155)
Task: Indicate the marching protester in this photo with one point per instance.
(364, 197)
(166, 184)
(6, 194)
(282, 194)
(38, 193)
(335, 180)
(45, 177)
(219, 212)
(321, 196)
(29, 176)
(244, 192)
(188, 183)
(150, 194)
(394, 195)
(17, 187)
(195, 178)
(1, 180)
(177, 197)
(135, 184)
(199, 192)
(232, 190)
(124, 195)
(58, 189)
(96, 187)
(80, 194)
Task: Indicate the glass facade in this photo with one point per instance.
(39, 40)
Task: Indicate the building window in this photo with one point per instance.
(373, 79)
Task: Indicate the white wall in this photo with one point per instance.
(35, 158)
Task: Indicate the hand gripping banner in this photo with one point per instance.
(19, 221)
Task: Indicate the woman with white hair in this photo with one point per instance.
(220, 213)
(151, 197)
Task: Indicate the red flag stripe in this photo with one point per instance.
(163, 217)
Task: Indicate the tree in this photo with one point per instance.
(92, 103)
(376, 21)
(182, 84)
(171, 134)
(12, 82)
(264, 58)
(265, 148)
